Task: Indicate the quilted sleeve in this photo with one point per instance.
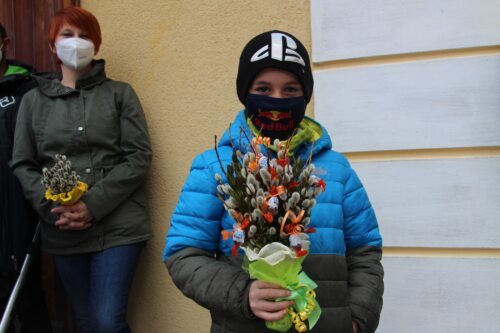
(360, 223)
(215, 285)
(364, 254)
(196, 221)
(192, 242)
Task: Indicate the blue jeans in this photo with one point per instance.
(98, 286)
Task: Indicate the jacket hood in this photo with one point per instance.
(16, 72)
(235, 135)
(15, 63)
(50, 83)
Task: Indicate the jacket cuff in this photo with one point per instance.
(45, 215)
(245, 306)
(366, 321)
(93, 205)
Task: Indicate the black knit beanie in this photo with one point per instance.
(274, 49)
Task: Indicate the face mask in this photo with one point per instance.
(75, 52)
(276, 118)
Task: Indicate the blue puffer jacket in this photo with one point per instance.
(345, 250)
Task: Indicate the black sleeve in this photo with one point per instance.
(366, 286)
(213, 284)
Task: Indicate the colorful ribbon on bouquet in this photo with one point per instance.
(305, 308)
(296, 228)
(298, 318)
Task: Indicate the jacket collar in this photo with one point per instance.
(50, 83)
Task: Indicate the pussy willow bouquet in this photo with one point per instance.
(61, 182)
(271, 200)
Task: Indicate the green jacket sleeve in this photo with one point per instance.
(366, 286)
(213, 284)
(25, 164)
(127, 176)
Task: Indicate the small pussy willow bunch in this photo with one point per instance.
(60, 178)
(270, 198)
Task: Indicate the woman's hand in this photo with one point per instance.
(262, 304)
(355, 327)
(74, 217)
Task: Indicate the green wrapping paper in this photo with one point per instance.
(278, 264)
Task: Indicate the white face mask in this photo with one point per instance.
(75, 52)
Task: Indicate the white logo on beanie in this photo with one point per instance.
(278, 52)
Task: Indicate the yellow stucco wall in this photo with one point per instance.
(181, 57)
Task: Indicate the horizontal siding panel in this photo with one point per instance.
(429, 104)
(435, 295)
(345, 29)
(436, 203)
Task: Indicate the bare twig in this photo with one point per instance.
(218, 157)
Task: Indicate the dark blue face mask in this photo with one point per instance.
(276, 118)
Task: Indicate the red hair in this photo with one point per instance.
(79, 18)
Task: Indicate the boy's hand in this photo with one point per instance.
(261, 299)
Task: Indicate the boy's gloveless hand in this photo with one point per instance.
(261, 299)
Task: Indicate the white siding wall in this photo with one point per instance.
(346, 29)
(436, 203)
(425, 295)
(445, 103)
(439, 103)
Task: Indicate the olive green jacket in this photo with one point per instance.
(101, 128)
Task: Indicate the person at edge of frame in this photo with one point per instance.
(345, 256)
(99, 124)
(18, 220)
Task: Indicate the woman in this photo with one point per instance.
(274, 84)
(99, 125)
